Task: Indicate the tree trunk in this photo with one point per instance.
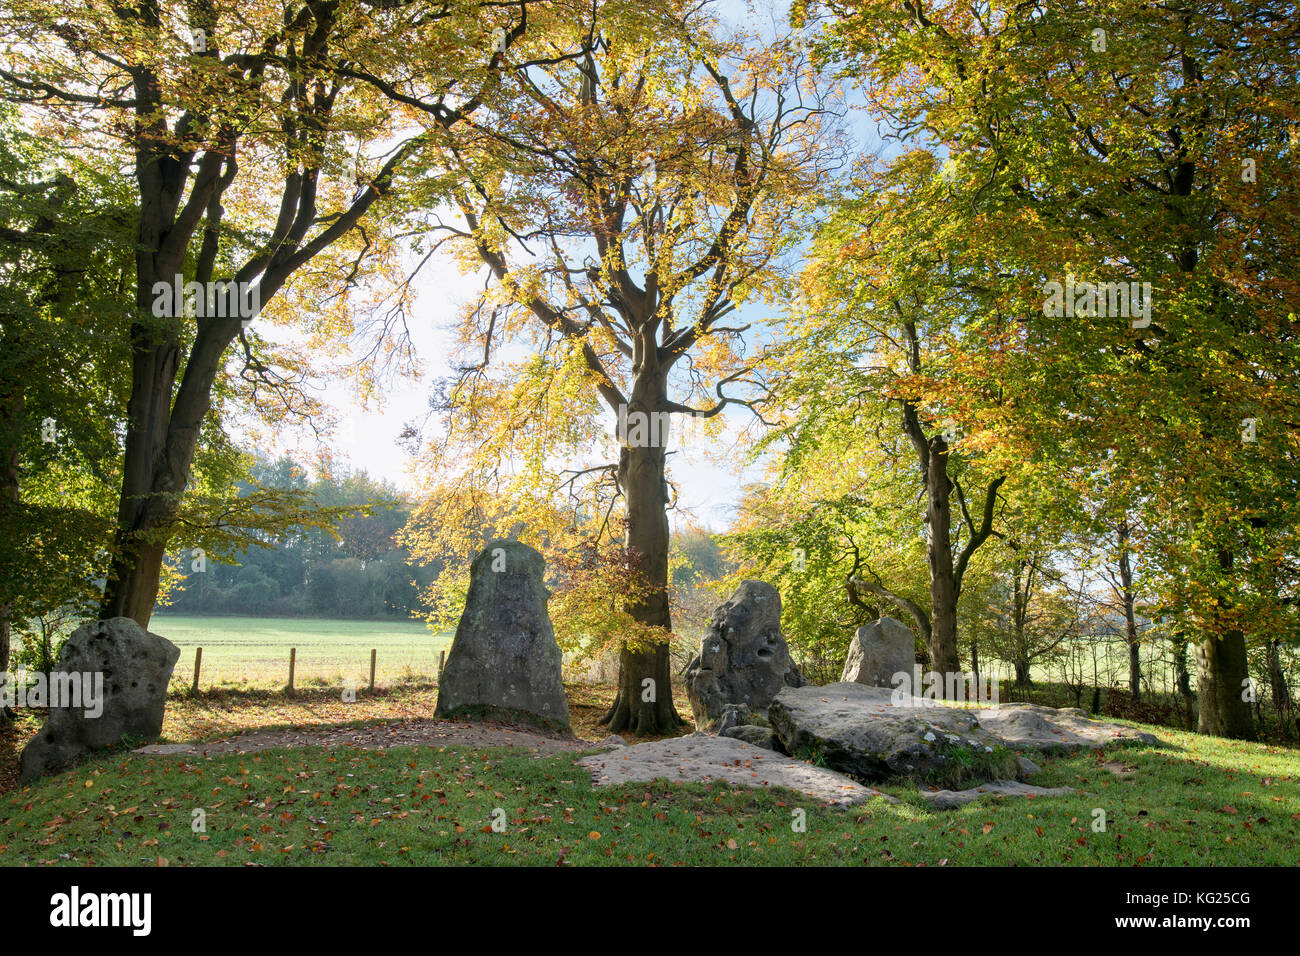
(1022, 673)
(1277, 684)
(13, 405)
(12, 409)
(1182, 676)
(1221, 675)
(149, 496)
(943, 584)
(643, 704)
(162, 434)
(1130, 619)
(642, 708)
(1183, 679)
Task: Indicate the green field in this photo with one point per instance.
(254, 651)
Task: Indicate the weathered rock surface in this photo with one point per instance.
(743, 659)
(133, 666)
(1033, 727)
(703, 757)
(857, 730)
(752, 734)
(504, 659)
(868, 732)
(733, 715)
(880, 650)
(948, 799)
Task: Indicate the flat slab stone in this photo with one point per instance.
(949, 799)
(703, 757)
(860, 730)
(1033, 727)
(166, 749)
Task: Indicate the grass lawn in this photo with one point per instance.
(1197, 801)
(254, 651)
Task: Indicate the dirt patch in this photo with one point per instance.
(231, 720)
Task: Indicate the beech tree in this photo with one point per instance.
(255, 152)
(1132, 143)
(624, 200)
(874, 383)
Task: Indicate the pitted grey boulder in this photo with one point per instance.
(861, 730)
(743, 658)
(504, 661)
(131, 666)
(874, 734)
(880, 650)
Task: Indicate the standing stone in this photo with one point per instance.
(880, 650)
(504, 661)
(743, 659)
(132, 668)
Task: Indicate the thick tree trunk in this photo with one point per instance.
(643, 704)
(150, 495)
(1022, 673)
(943, 584)
(162, 435)
(1221, 676)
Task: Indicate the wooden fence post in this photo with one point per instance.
(198, 662)
(293, 654)
(373, 653)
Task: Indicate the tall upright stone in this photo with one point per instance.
(878, 651)
(504, 661)
(743, 658)
(131, 668)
